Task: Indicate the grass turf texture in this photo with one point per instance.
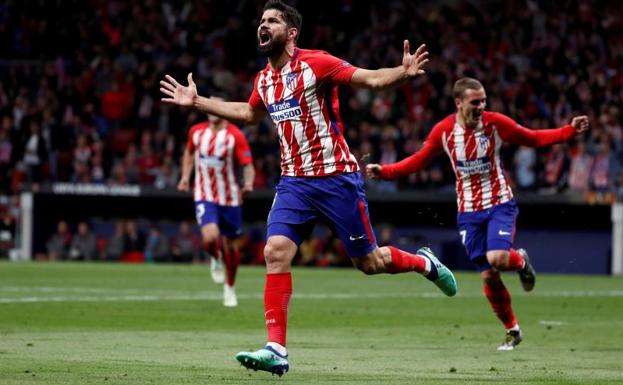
(64, 323)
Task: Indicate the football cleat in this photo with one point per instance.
(527, 275)
(513, 338)
(445, 279)
(229, 296)
(266, 359)
(217, 271)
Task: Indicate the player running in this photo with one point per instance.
(213, 147)
(321, 179)
(472, 138)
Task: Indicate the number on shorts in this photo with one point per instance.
(463, 236)
(201, 209)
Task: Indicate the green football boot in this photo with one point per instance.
(266, 359)
(445, 279)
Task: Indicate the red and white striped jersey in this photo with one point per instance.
(475, 155)
(302, 100)
(215, 153)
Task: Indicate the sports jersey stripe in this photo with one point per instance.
(226, 155)
(483, 140)
(506, 192)
(219, 182)
(324, 157)
(460, 151)
(301, 150)
(307, 78)
(335, 134)
(199, 190)
(471, 148)
(234, 193)
(496, 143)
(204, 172)
(211, 173)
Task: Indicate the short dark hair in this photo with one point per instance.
(291, 16)
(463, 84)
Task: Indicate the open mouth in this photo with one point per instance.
(264, 37)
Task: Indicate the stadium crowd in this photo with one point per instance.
(79, 98)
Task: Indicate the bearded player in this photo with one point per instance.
(321, 179)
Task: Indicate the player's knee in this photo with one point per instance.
(274, 252)
(498, 259)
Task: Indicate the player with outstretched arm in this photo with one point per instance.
(472, 138)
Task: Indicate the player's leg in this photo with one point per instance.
(207, 218)
(288, 223)
(500, 237)
(230, 224)
(345, 207)
(500, 299)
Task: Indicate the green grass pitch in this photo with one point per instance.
(63, 323)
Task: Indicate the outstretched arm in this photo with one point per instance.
(512, 132)
(187, 96)
(407, 166)
(412, 65)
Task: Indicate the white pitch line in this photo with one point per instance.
(214, 296)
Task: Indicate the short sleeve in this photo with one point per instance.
(255, 101)
(330, 68)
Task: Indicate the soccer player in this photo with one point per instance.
(472, 138)
(213, 147)
(321, 179)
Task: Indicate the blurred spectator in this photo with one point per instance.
(157, 247)
(580, 170)
(116, 244)
(186, 245)
(58, 244)
(525, 161)
(133, 243)
(84, 244)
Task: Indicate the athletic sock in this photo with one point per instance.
(403, 262)
(231, 258)
(277, 294)
(500, 300)
(214, 248)
(515, 260)
(278, 348)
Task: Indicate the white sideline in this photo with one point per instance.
(218, 296)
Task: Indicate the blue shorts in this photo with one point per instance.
(338, 201)
(227, 218)
(490, 229)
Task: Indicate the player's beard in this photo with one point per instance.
(275, 47)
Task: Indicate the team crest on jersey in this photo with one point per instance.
(291, 81)
(483, 142)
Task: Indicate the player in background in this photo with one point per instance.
(320, 178)
(213, 147)
(472, 139)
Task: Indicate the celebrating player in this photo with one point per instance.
(213, 147)
(472, 138)
(320, 179)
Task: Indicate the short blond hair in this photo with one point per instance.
(463, 84)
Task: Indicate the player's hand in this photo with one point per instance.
(247, 188)
(183, 185)
(177, 93)
(580, 124)
(373, 171)
(414, 63)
